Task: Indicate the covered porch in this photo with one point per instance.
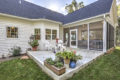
(92, 36)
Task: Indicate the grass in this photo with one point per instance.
(105, 68)
(18, 69)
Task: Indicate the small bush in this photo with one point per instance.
(16, 51)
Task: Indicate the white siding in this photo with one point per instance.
(43, 26)
(25, 30)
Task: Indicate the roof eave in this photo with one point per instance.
(28, 19)
(101, 15)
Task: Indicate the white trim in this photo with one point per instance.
(111, 5)
(40, 19)
(101, 15)
(51, 34)
(104, 35)
(76, 38)
(10, 31)
(88, 25)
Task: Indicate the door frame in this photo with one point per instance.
(76, 38)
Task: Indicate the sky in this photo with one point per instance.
(57, 5)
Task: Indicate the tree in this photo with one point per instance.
(74, 6)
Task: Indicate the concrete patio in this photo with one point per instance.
(88, 57)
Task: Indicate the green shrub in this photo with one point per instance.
(16, 51)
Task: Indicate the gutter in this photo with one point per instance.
(28, 19)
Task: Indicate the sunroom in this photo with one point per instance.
(97, 35)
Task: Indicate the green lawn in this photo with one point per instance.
(105, 68)
(21, 70)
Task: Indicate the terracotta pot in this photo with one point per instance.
(34, 48)
(66, 61)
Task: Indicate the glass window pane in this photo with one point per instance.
(48, 31)
(54, 34)
(48, 37)
(12, 32)
(48, 34)
(37, 34)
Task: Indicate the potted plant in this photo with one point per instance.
(56, 66)
(34, 44)
(74, 59)
(67, 56)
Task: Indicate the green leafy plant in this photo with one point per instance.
(59, 54)
(34, 43)
(55, 62)
(59, 64)
(16, 51)
(67, 54)
(50, 61)
(76, 57)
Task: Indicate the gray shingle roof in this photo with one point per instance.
(28, 10)
(32, 11)
(94, 9)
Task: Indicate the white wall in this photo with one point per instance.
(25, 30)
(43, 26)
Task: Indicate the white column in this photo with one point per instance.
(88, 25)
(104, 36)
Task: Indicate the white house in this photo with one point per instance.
(91, 27)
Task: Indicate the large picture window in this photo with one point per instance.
(37, 34)
(51, 34)
(12, 32)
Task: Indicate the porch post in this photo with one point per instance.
(114, 36)
(88, 25)
(104, 36)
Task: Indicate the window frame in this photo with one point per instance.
(37, 33)
(16, 32)
(51, 34)
(54, 34)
